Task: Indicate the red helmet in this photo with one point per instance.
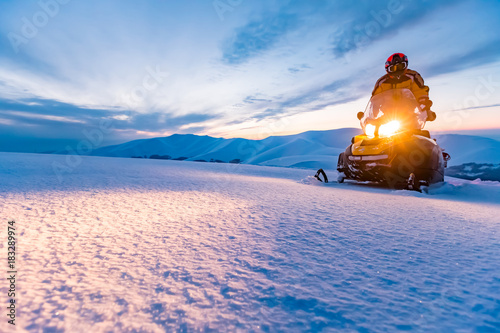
(397, 62)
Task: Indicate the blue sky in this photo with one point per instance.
(233, 68)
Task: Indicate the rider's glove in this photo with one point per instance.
(425, 103)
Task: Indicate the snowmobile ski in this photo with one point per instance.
(319, 173)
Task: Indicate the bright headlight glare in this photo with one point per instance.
(389, 129)
(370, 131)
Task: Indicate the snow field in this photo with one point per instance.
(144, 245)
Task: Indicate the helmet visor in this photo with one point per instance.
(397, 67)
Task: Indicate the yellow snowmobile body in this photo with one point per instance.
(394, 149)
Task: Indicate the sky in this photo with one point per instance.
(106, 72)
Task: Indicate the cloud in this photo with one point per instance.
(36, 108)
(255, 99)
(36, 117)
(478, 107)
(39, 125)
(331, 94)
(314, 95)
(299, 68)
(7, 122)
(154, 122)
(269, 114)
(258, 36)
(372, 21)
(122, 117)
(482, 55)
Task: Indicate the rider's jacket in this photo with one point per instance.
(409, 79)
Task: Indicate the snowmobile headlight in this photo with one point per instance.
(389, 129)
(370, 131)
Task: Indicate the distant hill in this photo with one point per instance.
(472, 171)
(470, 149)
(311, 149)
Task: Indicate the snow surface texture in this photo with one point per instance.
(133, 245)
(314, 149)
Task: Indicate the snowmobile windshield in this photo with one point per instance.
(391, 112)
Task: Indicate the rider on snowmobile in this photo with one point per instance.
(400, 76)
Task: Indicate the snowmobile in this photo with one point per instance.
(394, 149)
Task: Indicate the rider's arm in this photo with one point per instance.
(420, 90)
(378, 86)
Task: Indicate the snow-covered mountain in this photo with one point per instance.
(308, 150)
(471, 171)
(470, 149)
